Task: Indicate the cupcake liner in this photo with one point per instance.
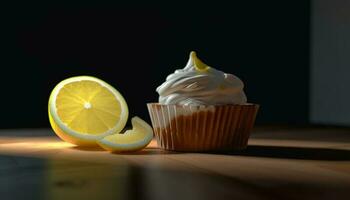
(202, 128)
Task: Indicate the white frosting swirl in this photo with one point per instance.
(199, 84)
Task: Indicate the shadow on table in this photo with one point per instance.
(304, 153)
(87, 148)
(145, 151)
(148, 151)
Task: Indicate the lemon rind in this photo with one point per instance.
(116, 147)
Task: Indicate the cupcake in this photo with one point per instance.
(202, 109)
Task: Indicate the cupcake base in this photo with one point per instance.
(202, 128)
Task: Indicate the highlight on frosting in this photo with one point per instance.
(200, 84)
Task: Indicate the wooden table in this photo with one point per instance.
(280, 163)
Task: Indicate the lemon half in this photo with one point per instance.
(132, 140)
(84, 109)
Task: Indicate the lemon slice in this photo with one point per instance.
(84, 109)
(132, 140)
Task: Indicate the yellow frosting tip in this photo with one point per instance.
(198, 64)
(193, 54)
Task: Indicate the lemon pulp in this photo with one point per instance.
(83, 109)
(87, 107)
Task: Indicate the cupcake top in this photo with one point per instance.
(200, 84)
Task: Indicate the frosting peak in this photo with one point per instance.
(199, 84)
(196, 63)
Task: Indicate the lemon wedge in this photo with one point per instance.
(84, 109)
(132, 140)
(198, 64)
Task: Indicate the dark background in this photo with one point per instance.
(134, 47)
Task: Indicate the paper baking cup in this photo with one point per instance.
(202, 128)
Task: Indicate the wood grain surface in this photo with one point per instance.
(279, 163)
